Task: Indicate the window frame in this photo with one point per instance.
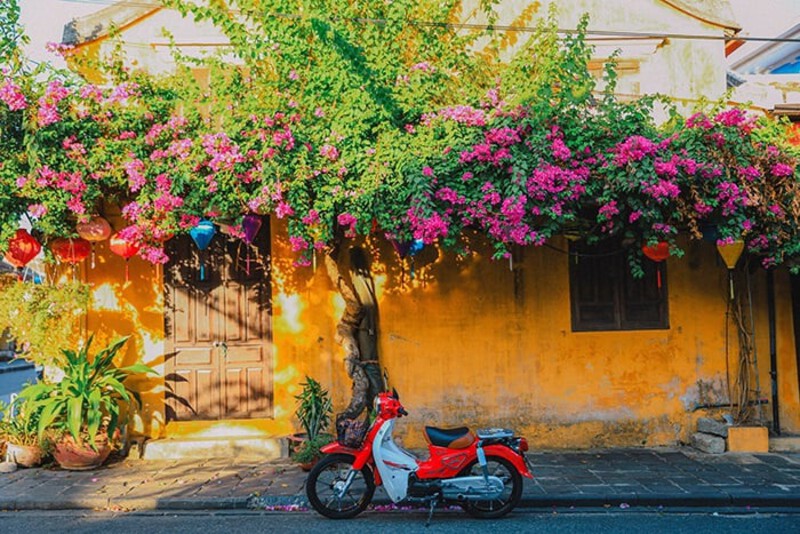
(608, 263)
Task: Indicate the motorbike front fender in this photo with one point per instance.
(515, 458)
(361, 457)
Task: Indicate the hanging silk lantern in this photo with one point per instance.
(22, 248)
(94, 230)
(730, 252)
(401, 248)
(415, 248)
(68, 250)
(658, 253)
(202, 234)
(124, 248)
(251, 224)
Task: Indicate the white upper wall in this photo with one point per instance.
(687, 69)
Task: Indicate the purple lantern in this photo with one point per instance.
(251, 224)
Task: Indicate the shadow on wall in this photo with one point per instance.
(135, 309)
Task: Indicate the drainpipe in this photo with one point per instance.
(773, 352)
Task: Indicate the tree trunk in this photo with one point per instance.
(357, 328)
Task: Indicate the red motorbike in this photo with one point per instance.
(482, 472)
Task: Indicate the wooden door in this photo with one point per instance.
(218, 329)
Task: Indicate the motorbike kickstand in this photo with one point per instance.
(434, 500)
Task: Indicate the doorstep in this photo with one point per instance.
(232, 447)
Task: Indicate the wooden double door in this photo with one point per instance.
(218, 329)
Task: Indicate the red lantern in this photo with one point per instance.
(122, 247)
(70, 250)
(95, 230)
(22, 248)
(658, 253)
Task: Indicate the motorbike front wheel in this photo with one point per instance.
(325, 487)
(512, 488)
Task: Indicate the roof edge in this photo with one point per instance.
(715, 19)
(97, 25)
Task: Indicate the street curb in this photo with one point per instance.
(585, 501)
(294, 502)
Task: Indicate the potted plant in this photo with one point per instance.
(83, 409)
(314, 409)
(308, 452)
(19, 431)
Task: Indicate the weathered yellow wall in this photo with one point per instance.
(463, 346)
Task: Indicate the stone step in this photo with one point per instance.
(712, 426)
(708, 443)
(784, 444)
(234, 447)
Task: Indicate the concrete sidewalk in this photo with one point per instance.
(619, 477)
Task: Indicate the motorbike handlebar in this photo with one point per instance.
(402, 411)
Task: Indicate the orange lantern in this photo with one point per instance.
(68, 250)
(95, 230)
(123, 247)
(658, 253)
(22, 248)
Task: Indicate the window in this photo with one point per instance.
(605, 296)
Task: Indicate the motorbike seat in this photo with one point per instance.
(454, 438)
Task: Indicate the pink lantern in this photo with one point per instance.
(94, 230)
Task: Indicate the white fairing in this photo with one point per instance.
(393, 463)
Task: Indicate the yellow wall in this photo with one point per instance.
(463, 348)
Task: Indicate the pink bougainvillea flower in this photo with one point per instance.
(12, 95)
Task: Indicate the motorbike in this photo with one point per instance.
(480, 471)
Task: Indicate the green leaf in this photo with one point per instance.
(94, 416)
(74, 416)
(48, 415)
(137, 368)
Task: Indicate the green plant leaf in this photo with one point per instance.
(75, 416)
(94, 416)
(50, 412)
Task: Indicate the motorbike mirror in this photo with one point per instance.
(395, 394)
(385, 380)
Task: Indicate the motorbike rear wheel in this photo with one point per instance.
(512, 488)
(327, 478)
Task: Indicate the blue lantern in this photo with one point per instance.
(416, 246)
(202, 234)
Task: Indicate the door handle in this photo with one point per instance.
(223, 346)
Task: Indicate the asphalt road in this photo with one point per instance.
(601, 522)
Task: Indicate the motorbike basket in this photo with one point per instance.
(351, 432)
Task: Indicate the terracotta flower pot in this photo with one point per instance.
(296, 441)
(24, 455)
(80, 456)
(308, 466)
